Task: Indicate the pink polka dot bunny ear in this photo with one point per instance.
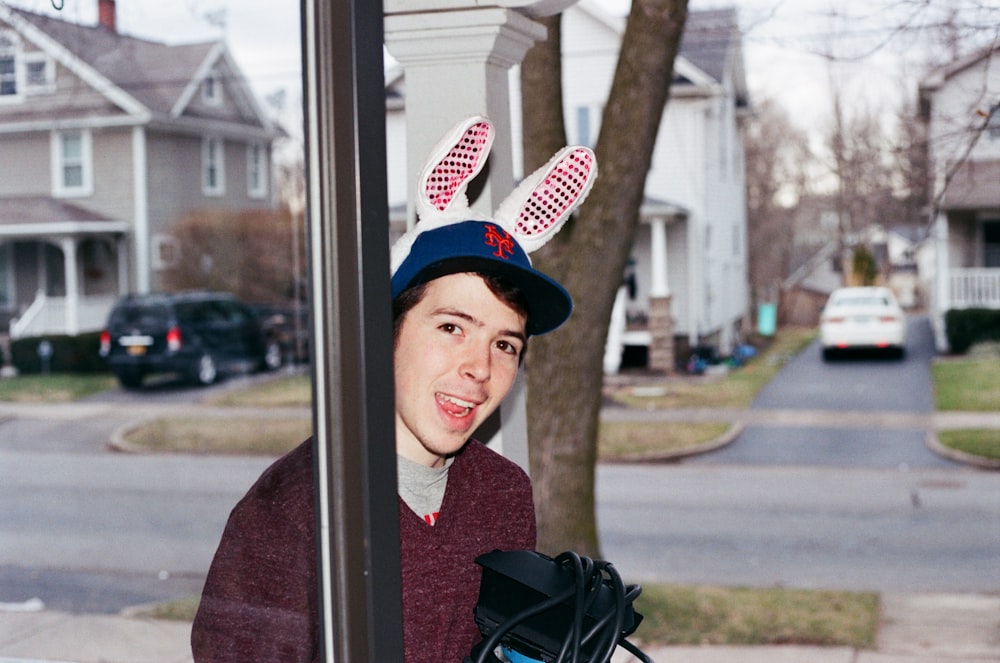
(453, 163)
(533, 213)
(537, 209)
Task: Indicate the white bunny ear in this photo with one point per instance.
(453, 163)
(536, 210)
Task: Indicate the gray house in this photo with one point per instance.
(106, 141)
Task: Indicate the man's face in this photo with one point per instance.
(456, 356)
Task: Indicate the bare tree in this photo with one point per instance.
(777, 164)
(565, 372)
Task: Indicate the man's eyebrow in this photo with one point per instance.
(459, 313)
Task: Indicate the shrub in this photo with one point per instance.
(70, 354)
(966, 327)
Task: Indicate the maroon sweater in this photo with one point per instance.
(260, 597)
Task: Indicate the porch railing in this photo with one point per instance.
(975, 287)
(48, 315)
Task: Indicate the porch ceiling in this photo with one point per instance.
(41, 216)
(975, 185)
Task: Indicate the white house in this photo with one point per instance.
(961, 104)
(687, 281)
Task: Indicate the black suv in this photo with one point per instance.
(196, 334)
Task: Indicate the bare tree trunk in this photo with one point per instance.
(565, 372)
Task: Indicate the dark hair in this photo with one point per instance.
(504, 290)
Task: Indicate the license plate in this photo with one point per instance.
(136, 350)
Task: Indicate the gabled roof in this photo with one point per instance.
(139, 76)
(710, 47)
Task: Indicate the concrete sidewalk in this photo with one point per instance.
(919, 628)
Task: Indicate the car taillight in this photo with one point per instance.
(836, 320)
(105, 343)
(887, 318)
(174, 339)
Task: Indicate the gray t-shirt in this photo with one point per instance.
(422, 487)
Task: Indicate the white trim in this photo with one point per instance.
(194, 85)
(59, 163)
(257, 170)
(213, 156)
(140, 211)
(46, 86)
(63, 228)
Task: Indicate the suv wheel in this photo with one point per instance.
(205, 372)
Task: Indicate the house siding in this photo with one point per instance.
(24, 165)
(112, 164)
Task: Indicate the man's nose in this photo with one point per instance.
(476, 362)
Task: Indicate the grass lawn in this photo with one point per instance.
(265, 436)
(53, 388)
(970, 384)
(736, 389)
(699, 615)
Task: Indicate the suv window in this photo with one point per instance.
(140, 315)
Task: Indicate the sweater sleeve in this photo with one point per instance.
(259, 601)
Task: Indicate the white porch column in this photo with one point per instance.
(457, 64)
(942, 281)
(659, 283)
(457, 56)
(68, 245)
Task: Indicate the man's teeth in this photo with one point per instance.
(467, 405)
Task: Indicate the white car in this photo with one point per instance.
(866, 317)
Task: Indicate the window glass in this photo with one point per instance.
(8, 75)
(112, 516)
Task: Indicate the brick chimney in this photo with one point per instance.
(106, 14)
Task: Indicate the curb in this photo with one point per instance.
(118, 444)
(934, 444)
(723, 440)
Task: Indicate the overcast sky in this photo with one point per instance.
(783, 43)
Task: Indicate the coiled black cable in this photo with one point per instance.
(607, 632)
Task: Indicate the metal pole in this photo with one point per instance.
(358, 512)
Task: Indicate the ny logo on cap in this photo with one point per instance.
(503, 243)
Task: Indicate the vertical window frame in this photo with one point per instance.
(211, 88)
(213, 166)
(257, 170)
(61, 162)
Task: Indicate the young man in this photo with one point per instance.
(462, 318)
(465, 300)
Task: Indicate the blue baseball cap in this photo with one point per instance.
(484, 247)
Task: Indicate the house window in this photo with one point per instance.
(166, 251)
(213, 167)
(10, 46)
(991, 243)
(72, 165)
(8, 76)
(39, 73)
(256, 170)
(211, 89)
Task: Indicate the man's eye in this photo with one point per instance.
(507, 347)
(450, 328)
